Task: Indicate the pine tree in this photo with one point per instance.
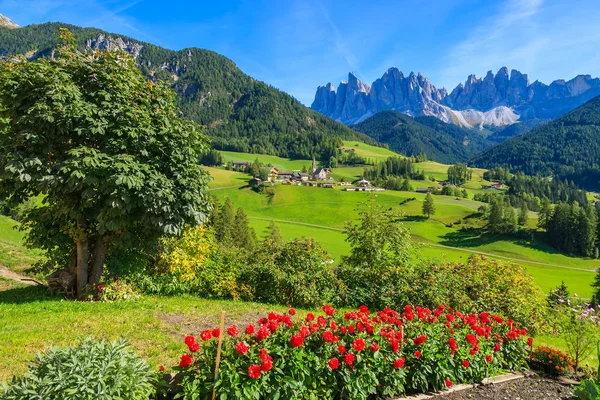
(428, 206)
(596, 285)
(559, 295)
(545, 213)
(242, 235)
(523, 214)
(272, 232)
(224, 226)
(496, 215)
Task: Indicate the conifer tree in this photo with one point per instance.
(523, 214)
(242, 235)
(272, 232)
(495, 216)
(224, 227)
(428, 206)
(596, 286)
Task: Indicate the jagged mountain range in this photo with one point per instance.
(495, 100)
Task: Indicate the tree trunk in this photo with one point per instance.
(82, 257)
(98, 258)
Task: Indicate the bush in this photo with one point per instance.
(353, 356)
(298, 272)
(552, 361)
(93, 370)
(587, 390)
(117, 290)
(480, 283)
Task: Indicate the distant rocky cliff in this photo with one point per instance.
(495, 100)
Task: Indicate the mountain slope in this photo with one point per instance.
(495, 100)
(515, 129)
(568, 148)
(239, 112)
(423, 135)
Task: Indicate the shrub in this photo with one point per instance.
(299, 272)
(481, 284)
(587, 390)
(117, 290)
(552, 361)
(353, 356)
(93, 370)
(184, 256)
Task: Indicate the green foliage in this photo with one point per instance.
(117, 290)
(480, 283)
(212, 158)
(587, 390)
(559, 296)
(459, 174)
(239, 112)
(381, 250)
(428, 206)
(566, 148)
(272, 232)
(572, 229)
(501, 216)
(426, 137)
(90, 371)
(579, 327)
(386, 173)
(107, 150)
(297, 272)
(523, 215)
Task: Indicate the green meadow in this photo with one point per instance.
(322, 214)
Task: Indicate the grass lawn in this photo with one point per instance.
(30, 321)
(12, 252)
(370, 152)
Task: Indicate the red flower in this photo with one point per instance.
(358, 345)
(254, 371)
(310, 317)
(100, 288)
(417, 354)
(161, 368)
(250, 329)
(216, 333)
(349, 358)
(374, 347)
(453, 345)
(189, 340)
(488, 358)
(328, 336)
(267, 363)
(206, 335)
(263, 355)
(363, 309)
(399, 363)
(448, 383)
(186, 361)
(296, 340)
(328, 310)
(420, 340)
(334, 363)
(263, 333)
(342, 349)
(292, 312)
(530, 342)
(241, 348)
(465, 363)
(194, 347)
(233, 331)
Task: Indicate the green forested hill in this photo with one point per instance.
(568, 148)
(423, 135)
(239, 112)
(517, 129)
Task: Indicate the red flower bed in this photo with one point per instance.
(353, 355)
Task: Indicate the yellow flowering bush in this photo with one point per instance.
(186, 255)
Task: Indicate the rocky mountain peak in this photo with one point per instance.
(498, 99)
(7, 22)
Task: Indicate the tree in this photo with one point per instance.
(105, 148)
(333, 162)
(523, 214)
(559, 295)
(596, 286)
(545, 213)
(243, 236)
(428, 206)
(496, 215)
(272, 232)
(224, 226)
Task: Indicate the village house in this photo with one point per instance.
(494, 185)
(240, 166)
(363, 183)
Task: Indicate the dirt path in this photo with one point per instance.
(8, 274)
(517, 260)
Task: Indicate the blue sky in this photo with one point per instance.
(298, 45)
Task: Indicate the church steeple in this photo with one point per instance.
(314, 166)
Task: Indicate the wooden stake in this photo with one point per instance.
(221, 334)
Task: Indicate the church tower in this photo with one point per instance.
(314, 166)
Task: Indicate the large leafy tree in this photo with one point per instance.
(104, 148)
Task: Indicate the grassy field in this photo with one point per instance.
(12, 252)
(30, 321)
(322, 214)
